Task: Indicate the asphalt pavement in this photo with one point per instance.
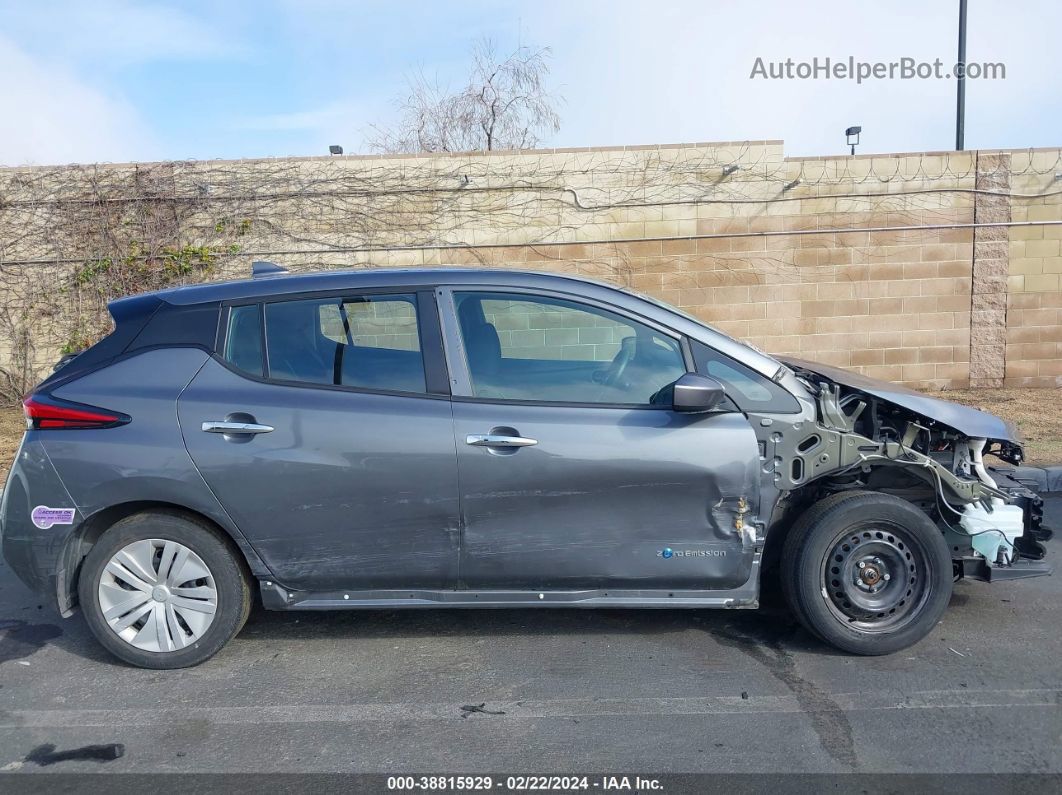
(537, 691)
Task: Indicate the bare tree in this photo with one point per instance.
(505, 105)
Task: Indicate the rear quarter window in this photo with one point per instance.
(243, 340)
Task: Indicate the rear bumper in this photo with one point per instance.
(38, 552)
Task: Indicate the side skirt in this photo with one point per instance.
(277, 597)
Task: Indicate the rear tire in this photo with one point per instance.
(866, 572)
(161, 590)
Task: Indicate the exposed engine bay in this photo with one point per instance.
(874, 436)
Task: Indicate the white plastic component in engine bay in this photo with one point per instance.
(994, 531)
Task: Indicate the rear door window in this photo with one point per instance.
(364, 341)
(371, 342)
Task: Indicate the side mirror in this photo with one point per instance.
(695, 393)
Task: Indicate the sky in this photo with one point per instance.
(121, 80)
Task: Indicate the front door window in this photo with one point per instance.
(538, 348)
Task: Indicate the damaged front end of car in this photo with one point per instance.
(874, 436)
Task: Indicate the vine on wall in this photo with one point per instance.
(80, 237)
(73, 238)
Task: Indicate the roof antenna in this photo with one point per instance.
(261, 268)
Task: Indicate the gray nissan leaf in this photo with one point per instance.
(478, 438)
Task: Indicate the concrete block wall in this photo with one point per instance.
(870, 262)
(1033, 355)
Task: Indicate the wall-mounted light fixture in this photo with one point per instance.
(335, 149)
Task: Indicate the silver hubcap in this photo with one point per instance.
(158, 595)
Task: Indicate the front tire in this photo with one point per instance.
(866, 572)
(160, 590)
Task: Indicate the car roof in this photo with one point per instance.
(294, 283)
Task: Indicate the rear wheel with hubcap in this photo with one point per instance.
(161, 590)
(867, 572)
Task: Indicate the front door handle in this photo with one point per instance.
(496, 440)
(235, 427)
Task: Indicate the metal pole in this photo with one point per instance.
(960, 105)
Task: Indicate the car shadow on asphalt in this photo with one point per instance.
(772, 627)
(776, 629)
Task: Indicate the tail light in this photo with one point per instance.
(45, 412)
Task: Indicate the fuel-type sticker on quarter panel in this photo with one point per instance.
(44, 517)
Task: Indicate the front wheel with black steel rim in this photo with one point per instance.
(867, 572)
(161, 590)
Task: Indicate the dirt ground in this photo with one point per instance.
(12, 424)
(1038, 413)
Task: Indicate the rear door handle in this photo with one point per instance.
(218, 426)
(494, 440)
